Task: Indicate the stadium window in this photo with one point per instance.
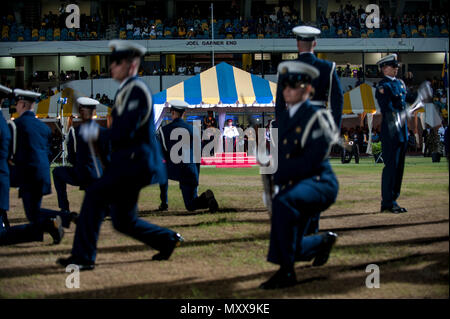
(289, 56)
(265, 56)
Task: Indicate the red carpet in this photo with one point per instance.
(230, 160)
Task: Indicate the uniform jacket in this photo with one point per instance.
(322, 91)
(80, 157)
(301, 154)
(186, 172)
(5, 139)
(135, 150)
(32, 166)
(391, 97)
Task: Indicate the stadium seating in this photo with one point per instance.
(57, 34)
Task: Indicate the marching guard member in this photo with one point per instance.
(304, 181)
(83, 171)
(391, 97)
(135, 159)
(186, 171)
(31, 173)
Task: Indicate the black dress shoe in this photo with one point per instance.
(164, 254)
(402, 209)
(72, 260)
(4, 220)
(393, 210)
(74, 217)
(281, 279)
(212, 203)
(163, 207)
(328, 243)
(54, 227)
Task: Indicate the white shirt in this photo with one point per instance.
(390, 77)
(294, 108)
(123, 82)
(230, 131)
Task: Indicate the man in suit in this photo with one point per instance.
(136, 160)
(31, 173)
(183, 169)
(84, 171)
(391, 97)
(327, 91)
(304, 181)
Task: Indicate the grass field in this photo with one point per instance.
(224, 255)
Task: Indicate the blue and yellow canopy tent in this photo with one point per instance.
(222, 86)
(49, 108)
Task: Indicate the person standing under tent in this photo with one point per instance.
(230, 136)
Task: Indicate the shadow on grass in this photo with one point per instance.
(146, 213)
(312, 282)
(28, 271)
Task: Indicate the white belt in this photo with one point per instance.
(322, 103)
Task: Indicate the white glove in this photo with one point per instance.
(89, 132)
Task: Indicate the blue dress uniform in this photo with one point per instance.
(327, 88)
(83, 171)
(5, 139)
(135, 159)
(391, 97)
(304, 178)
(186, 171)
(31, 173)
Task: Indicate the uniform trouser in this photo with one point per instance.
(229, 144)
(292, 210)
(313, 227)
(61, 177)
(36, 215)
(119, 195)
(391, 180)
(190, 196)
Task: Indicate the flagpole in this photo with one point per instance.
(212, 31)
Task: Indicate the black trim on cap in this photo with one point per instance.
(300, 38)
(92, 107)
(27, 98)
(117, 56)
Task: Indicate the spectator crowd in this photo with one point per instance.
(276, 22)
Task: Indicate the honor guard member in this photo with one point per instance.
(304, 181)
(185, 171)
(135, 158)
(83, 170)
(327, 86)
(391, 97)
(5, 140)
(31, 173)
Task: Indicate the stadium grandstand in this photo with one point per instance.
(184, 38)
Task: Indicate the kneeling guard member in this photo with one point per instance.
(186, 171)
(304, 181)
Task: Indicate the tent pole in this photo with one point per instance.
(363, 68)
